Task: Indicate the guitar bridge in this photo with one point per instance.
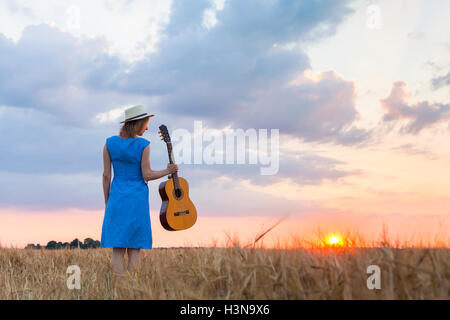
(180, 213)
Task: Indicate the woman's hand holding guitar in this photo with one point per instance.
(172, 168)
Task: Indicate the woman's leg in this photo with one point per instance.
(133, 259)
(118, 264)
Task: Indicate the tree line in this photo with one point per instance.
(51, 245)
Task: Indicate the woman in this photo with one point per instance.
(126, 224)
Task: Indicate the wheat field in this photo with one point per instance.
(230, 272)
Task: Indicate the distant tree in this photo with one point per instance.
(51, 245)
(75, 244)
(89, 243)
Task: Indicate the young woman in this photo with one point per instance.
(126, 224)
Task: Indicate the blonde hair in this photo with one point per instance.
(131, 128)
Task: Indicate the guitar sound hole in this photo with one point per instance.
(178, 193)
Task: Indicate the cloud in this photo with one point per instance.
(15, 7)
(40, 60)
(207, 73)
(301, 168)
(117, 5)
(43, 71)
(236, 72)
(411, 149)
(48, 70)
(131, 27)
(315, 108)
(50, 165)
(442, 81)
(50, 191)
(38, 143)
(243, 200)
(237, 53)
(60, 95)
(420, 115)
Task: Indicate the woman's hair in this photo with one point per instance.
(131, 128)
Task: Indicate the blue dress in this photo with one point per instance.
(126, 223)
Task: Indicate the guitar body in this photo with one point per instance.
(177, 210)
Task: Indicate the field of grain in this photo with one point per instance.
(232, 272)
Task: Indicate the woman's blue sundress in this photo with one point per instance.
(126, 223)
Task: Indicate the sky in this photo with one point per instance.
(359, 92)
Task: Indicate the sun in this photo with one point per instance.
(334, 241)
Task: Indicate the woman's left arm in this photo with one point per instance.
(106, 174)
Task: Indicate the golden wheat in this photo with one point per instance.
(232, 272)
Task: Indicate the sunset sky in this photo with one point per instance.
(359, 90)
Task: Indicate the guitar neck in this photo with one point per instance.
(174, 175)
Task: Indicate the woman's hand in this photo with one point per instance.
(172, 167)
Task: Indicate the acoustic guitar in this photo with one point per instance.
(177, 210)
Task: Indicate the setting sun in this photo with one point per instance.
(334, 240)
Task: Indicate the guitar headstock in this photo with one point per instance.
(164, 133)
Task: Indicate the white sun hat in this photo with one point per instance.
(136, 113)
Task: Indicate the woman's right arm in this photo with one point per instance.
(148, 174)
